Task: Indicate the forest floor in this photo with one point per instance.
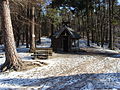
(92, 68)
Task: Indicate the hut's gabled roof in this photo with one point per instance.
(72, 33)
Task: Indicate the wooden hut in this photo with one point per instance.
(66, 39)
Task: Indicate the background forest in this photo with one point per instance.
(95, 20)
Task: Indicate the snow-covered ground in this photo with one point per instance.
(78, 71)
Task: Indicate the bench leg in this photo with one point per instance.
(34, 57)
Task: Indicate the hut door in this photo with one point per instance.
(65, 44)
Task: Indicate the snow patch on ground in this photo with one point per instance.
(83, 44)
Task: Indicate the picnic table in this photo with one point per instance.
(42, 53)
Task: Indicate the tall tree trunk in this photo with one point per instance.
(87, 31)
(96, 25)
(27, 26)
(40, 34)
(39, 27)
(52, 29)
(23, 38)
(32, 43)
(103, 25)
(92, 28)
(110, 27)
(12, 59)
(82, 29)
(18, 38)
(27, 36)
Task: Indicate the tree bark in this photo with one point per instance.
(110, 27)
(23, 38)
(27, 26)
(32, 44)
(12, 59)
(87, 31)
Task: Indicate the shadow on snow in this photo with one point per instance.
(93, 53)
(73, 82)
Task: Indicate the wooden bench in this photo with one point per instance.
(42, 53)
